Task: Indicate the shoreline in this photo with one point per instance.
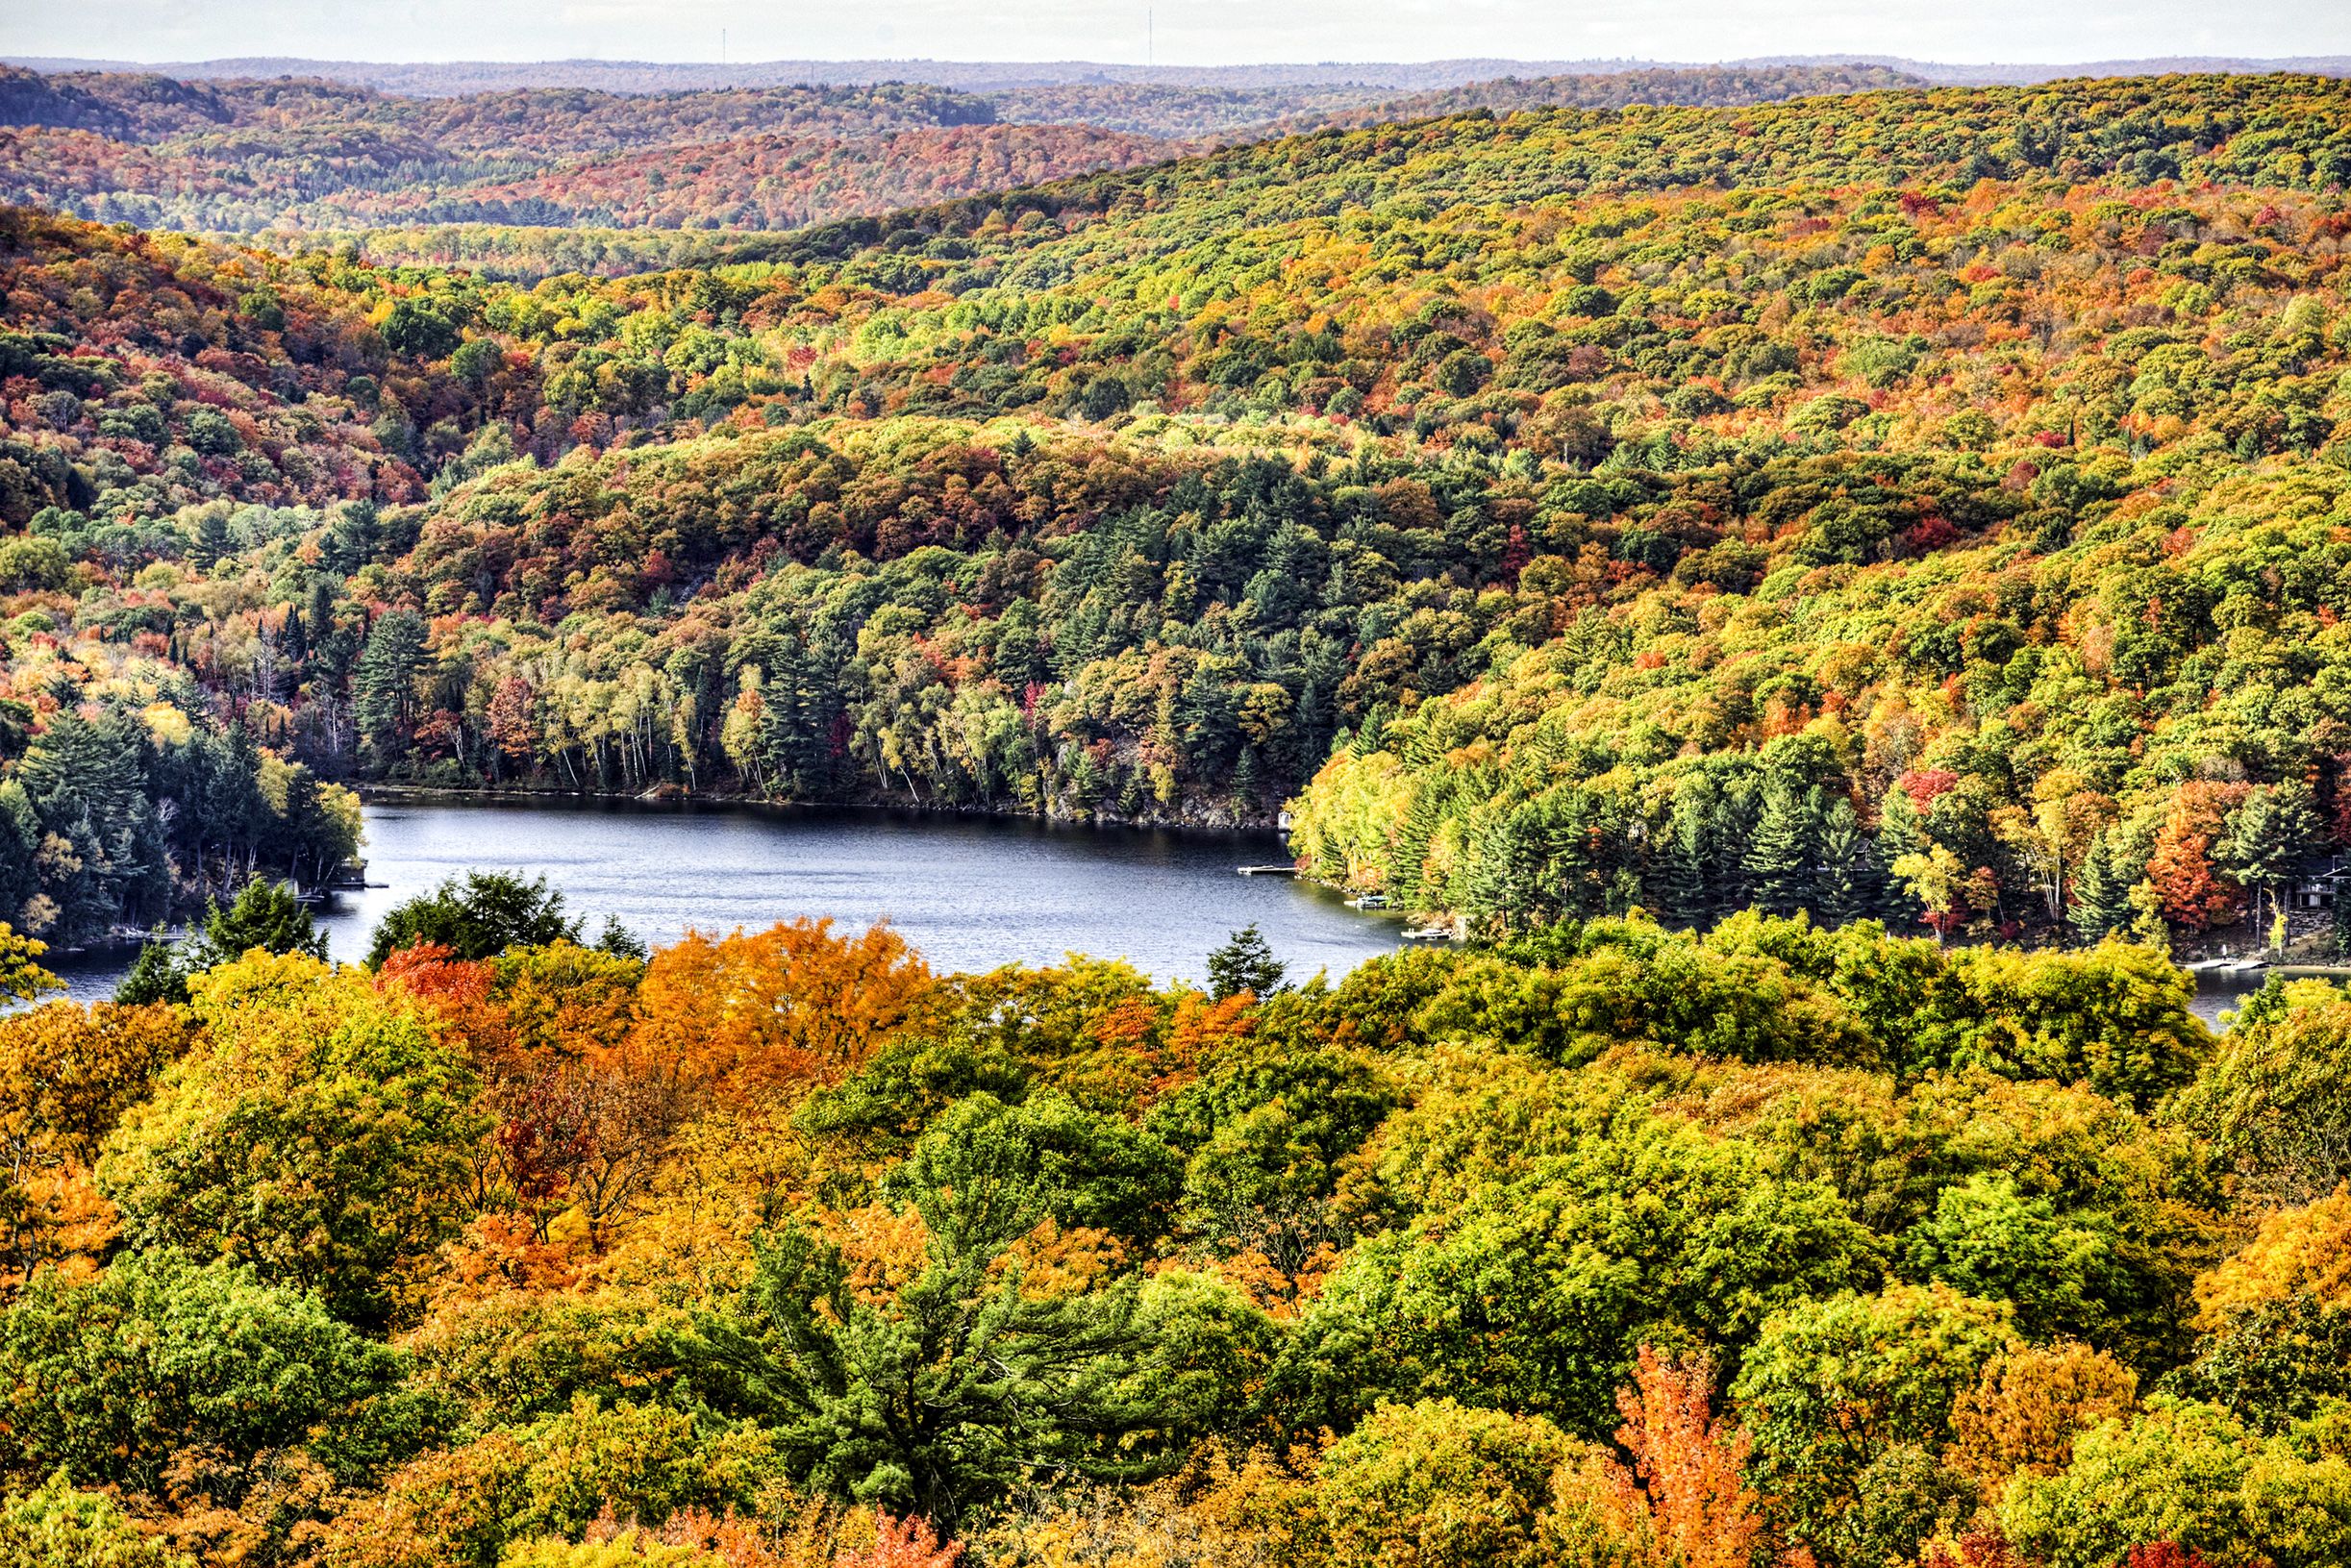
(728, 800)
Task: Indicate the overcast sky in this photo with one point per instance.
(1187, 32)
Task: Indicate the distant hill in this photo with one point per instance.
(307, 154)
(1373, 79)
(1717, 86)
(650, 76)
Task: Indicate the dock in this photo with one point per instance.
(1267, 870)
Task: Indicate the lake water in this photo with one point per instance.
(970, 892)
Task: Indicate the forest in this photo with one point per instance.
(1564, 513)
(1825, 597)
(309, 155)
(1606, 1245)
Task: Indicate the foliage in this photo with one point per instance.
(319, 1132)
(55, 1525)
(2190, 1475)
(1820, 592)
(1441, 1486)
(68, 1075)
(162, 1375)
(478, 916)
(1245, 963)
(1831, 1387)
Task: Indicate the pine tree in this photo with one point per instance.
(1779, 857)
(268, 915)
(2267, 839)
(1840, 894)
(384, 683)
(1730, 825)
(1900, 833)
(1578, 873)
(1410, 859)
(1245, 963)
(2101, 894)
(1677, 882)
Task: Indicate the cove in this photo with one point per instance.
(970, 892)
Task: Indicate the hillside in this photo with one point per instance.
(1824, 599)
(293, 153)
(1583, 505)
(1715, 88)
(296, 155)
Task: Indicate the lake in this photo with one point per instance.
(970, 892)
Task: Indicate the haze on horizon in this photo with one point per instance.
(1172, 31)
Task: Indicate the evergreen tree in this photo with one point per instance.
(2101, 893)
(2267, 839)
(268, 915)
(1678, 871)
(1501, 878)
(477, 917)
(1420, 820)
(1777, 859)
(384, 683)
(1730, 826)
(158, 973)
(1245, 963)
(1900, 833)
(1576, 848)
(1842, 889)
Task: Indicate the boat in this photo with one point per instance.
(1428, 933)
(1370, 901)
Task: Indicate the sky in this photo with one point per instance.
(1181, 32)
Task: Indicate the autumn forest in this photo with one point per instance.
(1825, 589)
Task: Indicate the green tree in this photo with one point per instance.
(264, 915)
(321, 1133)
(161, 1365)
(964, 1382)
(2275, 1101)
(478, 916)
(1778, 859)
(2193, 1476)
(1245, 963)
(1534, 1293)
(1444, 1485)
(1830, 1386)
(384, 681)
(1678, 870)
(2267, 839)
(2271, 1364)
(158, 975)
(1846, 886)
(1985, 1239)
(2101, 893)
(55, 1525)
